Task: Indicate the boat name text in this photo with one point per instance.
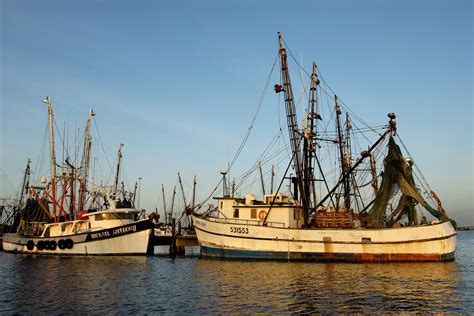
(114, 232)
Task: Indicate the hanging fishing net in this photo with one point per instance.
(397, 175)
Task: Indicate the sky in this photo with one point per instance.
(178, 82)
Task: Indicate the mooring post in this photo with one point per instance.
(173, 239)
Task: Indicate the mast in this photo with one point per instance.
(348, 162)
(117, 173)
(164, 201)
(170, 216)
(194, 192)
(85, 161)
(51, 152)
(26, 181)
(342, 157)
(261, 177)
(309, 134)
(293, 129)
(273, 176)
(182, 190)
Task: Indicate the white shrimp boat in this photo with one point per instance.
(106, 232)
(54, 219)
(381, 220)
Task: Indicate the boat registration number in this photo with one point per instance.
(239, 230)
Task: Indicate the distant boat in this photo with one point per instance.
(54, 219)
(349, 212)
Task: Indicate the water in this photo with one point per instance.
(145, 285)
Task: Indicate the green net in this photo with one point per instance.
(397, 175)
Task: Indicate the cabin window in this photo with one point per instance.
(111, 216)
(253, 213)
(222, 205)
(236, 213)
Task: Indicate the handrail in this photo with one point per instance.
(245, 222)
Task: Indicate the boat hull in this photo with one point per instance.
(230, 239)
(130, 239)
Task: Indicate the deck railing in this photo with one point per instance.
(245, 222)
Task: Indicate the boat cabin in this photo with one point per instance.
(283, 213)
(92, 221)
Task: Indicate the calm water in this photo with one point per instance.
(191, 285)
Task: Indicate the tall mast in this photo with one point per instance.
(85, 161)
(293, 129)
(348, 161)
(309, 134)
(164, 201)
(51, 152)
(261, 177)
(117, 173)
(346, 186)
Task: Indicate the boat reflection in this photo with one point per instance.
(326, 287)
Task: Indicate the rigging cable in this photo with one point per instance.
(249, 130)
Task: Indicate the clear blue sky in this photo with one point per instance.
(178, 81)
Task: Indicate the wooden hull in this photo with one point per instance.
(130, 239)
(229, 239)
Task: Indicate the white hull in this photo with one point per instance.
(227, 238)
(130, 239)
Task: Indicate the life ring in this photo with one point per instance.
(261, 215)
(40, 245)
(61, 244)
(30, 245)
(69, 243)
(52, 245)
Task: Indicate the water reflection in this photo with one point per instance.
(309, 287)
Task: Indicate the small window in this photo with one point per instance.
(222, 205)
(236, 213)
(366, 240)
(253, 213)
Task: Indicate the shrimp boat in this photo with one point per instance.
(340, 206)
(54, 220)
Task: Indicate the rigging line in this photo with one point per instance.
(255, 166)
(341, 102)
(244, 141)
(40, 158)
(60, 137)
(249, 130)
(102, 144)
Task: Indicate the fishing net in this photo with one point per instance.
(397, 175)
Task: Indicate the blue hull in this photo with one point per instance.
(220, 253)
